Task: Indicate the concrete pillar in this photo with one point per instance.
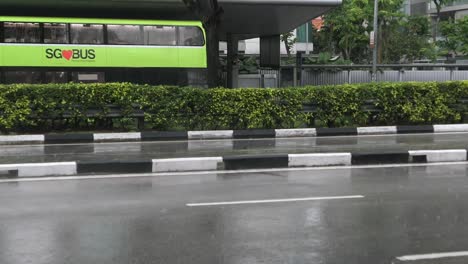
(232, 61)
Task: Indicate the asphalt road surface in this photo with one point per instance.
(367, 215)
(198, 148)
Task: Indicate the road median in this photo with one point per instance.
(237, 162)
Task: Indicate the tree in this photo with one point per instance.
(409, 41)
(288, 39)
(344, 29)
(348, 27)
(455, 37)
(209, 13)
(439, 4)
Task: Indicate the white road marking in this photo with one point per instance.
(433, 256)
(277, 200)
(171, 174)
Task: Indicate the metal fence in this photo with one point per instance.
(334, 74)
(341, 77)
(327, 74)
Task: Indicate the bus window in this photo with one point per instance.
(87, 34)
(191, 36)
(22, 32)
(22, 77)
(160, 35)
(55, 33)
(56, 77)
(124, 35)
(88, 77)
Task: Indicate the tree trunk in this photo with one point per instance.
(212, 45)
(380, 45)
(347, 54)
(288, 51)
(209, 12)
(436, 24)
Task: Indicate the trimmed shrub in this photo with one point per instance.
(64, 107)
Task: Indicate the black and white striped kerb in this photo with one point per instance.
(232, 163)
(163, 136)
(228, 134)
(255, 162)
(143, 166)
(362, 158)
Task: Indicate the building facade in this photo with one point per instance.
(303, 35)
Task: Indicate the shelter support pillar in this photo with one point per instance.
(232, 61)
(270, 53)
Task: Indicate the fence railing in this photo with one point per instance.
(289, 76)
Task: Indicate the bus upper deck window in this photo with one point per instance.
(191, 36)
(22, 32)
(160, 35)
(87, 34)
(125, 34)
(55, 33)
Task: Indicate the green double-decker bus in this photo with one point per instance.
(46, 49)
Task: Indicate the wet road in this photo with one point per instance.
(153, 150)
(404, 211)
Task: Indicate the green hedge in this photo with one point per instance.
(40, 108)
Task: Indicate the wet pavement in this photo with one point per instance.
(143, 220)
(152, 150)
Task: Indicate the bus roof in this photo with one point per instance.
(98, 21)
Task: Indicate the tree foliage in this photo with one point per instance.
(347, 29)
(289, 40)
(409, 41)
(455, 37)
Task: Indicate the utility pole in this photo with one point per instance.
(375, 40)
(307, 38)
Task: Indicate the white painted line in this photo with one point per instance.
(186, 164)
(319, 159)
(116, 136)
(22, 138)
(278, 200)
(192, 173)
(451, 128)
(303, 132)
(444, 155)
(377, 130)
(433, 256)
(216, 134)
(41, 169)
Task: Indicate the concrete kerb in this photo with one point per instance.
(186, 164)
(446, 155)
(302, 132)
(227, 134)
(116, 136)
(21, 139)
(216, 134)
(319, 159)
(451, 128)
(41, 169)
(383, 130)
